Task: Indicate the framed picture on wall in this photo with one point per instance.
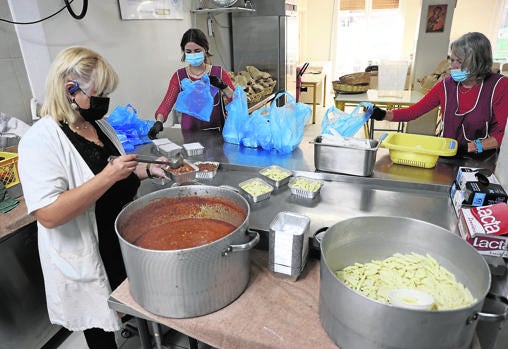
(150, 9)
(436, 17)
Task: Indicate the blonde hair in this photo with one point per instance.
(79, 64)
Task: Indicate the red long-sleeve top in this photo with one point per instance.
(436, 97)
(174, 89)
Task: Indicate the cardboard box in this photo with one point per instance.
(476, 187)
(485, 228)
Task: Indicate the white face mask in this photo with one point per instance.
(195, 59)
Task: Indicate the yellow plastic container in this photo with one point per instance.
(8, 169)
(417, 150)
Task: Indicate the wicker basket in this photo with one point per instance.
(351, 89)
(252, 99)
(362, 78)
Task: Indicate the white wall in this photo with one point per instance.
(144, 52)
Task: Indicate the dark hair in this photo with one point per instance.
(196, 36)
(476, 52)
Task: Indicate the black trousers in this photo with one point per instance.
(97, 338)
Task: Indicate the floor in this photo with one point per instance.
(172, 339)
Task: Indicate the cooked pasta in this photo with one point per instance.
(377, 278)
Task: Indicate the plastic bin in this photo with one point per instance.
(9, 169)
(417, 150)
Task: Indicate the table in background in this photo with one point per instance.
(406, 98)
(313, 80)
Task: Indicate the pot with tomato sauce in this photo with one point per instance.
(186, 249)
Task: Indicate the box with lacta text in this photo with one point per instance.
(485, 228)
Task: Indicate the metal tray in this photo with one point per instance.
(276, 182)
(193, 149)
(207, 174)
(304, 193)
(288, 242)
(186, 176)
(346, 160)
(256, 197)
(169, 149)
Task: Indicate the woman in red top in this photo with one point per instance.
(472, 99)
(194, 45)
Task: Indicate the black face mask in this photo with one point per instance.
(98, 108)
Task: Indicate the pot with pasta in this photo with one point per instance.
(393, 282)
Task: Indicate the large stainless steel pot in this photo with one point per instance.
(188, 282)
(353, 320)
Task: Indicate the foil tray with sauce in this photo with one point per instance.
(183, 177)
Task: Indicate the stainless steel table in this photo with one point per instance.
(394, 190)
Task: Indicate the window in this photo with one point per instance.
(367, 31)
(501, 46)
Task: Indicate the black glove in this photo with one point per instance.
(156, 128)
(462, 150)
(378, 114)
(215, 81)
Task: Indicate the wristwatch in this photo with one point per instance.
(149, 174)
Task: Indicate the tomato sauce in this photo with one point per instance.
(185, 233)
(180, 223)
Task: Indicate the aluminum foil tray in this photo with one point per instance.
(305, 187)
(193, 149)
(256, 189)
(276, 175)
(186, 176)
(206, 174)
(169, 149)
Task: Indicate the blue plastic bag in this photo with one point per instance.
(129, 128)
(347, 125)
(288, 123)
(237, 117)
(257, 131)
(196, 98)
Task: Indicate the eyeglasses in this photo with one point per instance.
(100, 95)
(453, 60)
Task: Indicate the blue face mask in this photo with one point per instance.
(459, 75)
(195, 59)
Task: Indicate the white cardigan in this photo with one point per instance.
(77, 288)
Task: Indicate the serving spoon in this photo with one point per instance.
(173, 162)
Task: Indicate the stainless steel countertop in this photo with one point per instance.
(395, 190)
(392, 190)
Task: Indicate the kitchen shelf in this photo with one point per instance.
(224, 10)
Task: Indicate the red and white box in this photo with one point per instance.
(486, 228)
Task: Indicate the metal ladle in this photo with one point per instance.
(176, 161)
(173, 162)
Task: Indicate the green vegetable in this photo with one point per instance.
(305, 184)
(256, 188)
(275, 173)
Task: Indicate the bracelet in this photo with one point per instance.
(148, 173)
(479, 145)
